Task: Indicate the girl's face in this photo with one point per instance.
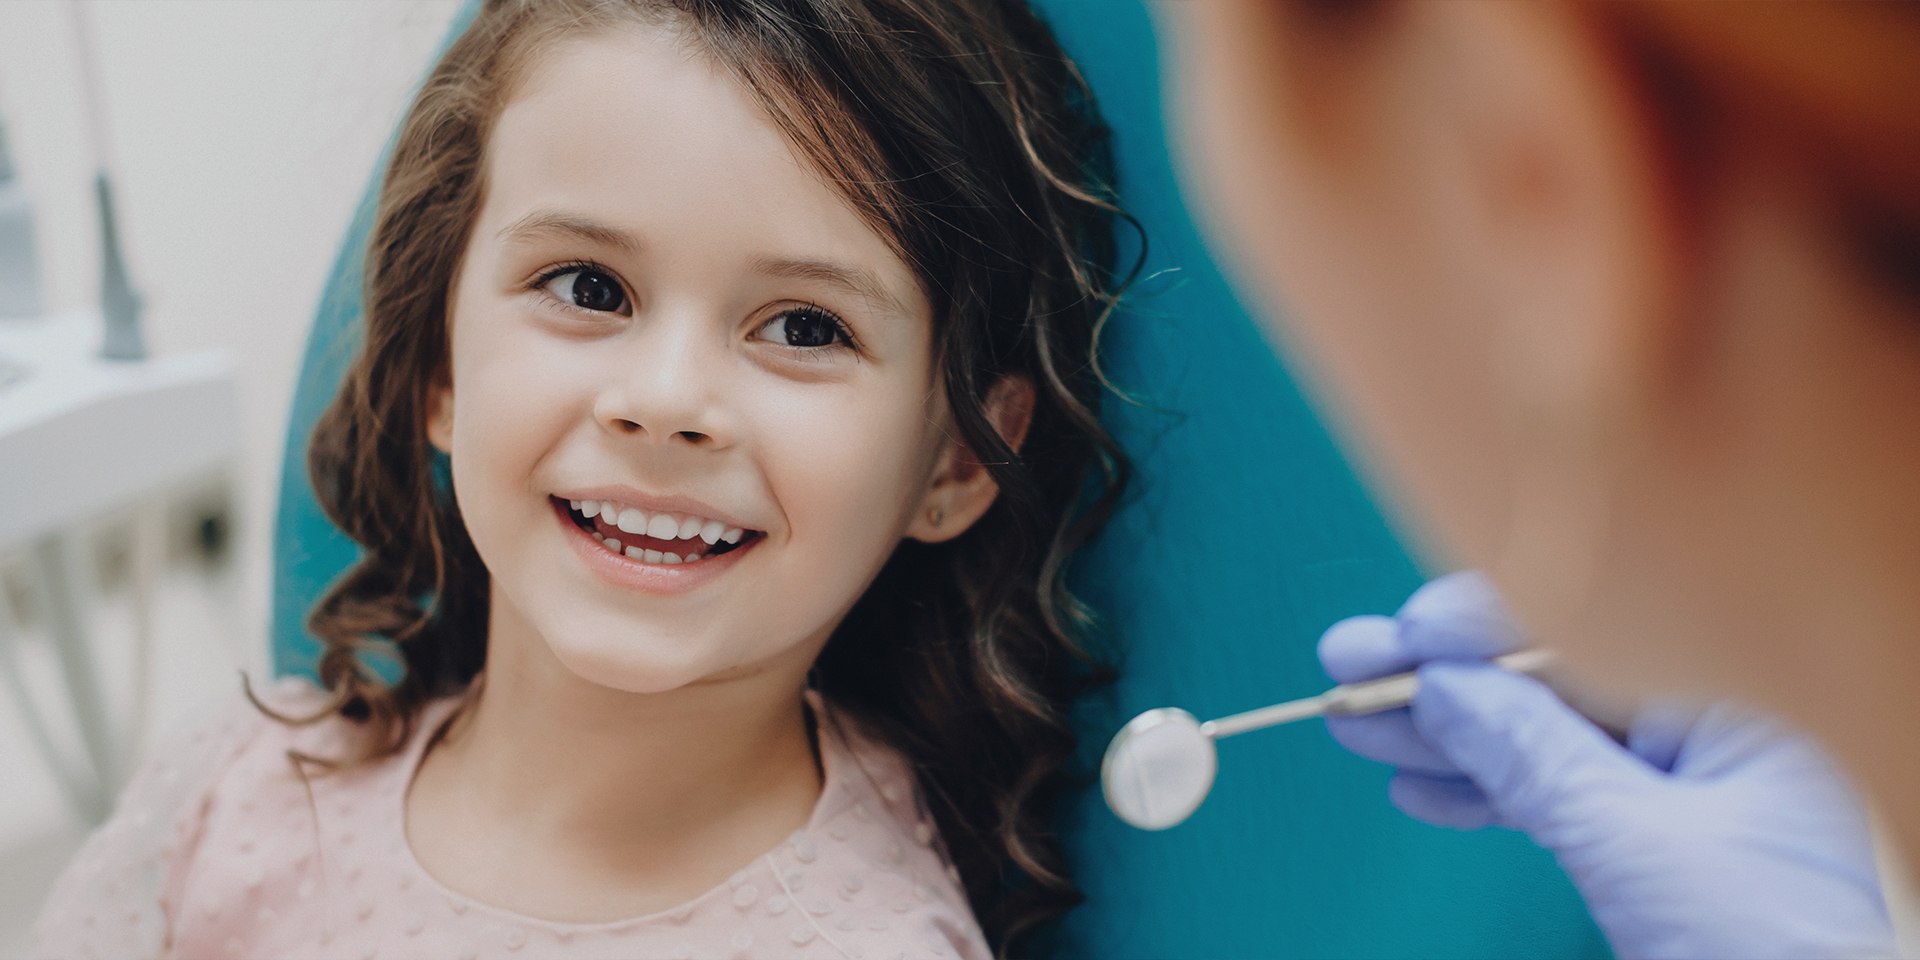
(661, 307)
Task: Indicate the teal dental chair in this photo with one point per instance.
(1245, 536)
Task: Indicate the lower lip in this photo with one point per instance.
(630, 574)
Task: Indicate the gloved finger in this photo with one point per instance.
(1533, 756)
(1457, 617)
(1442, 801)
(1362, 648)
(1727, 739)
(1659, 732)
(1390, 738)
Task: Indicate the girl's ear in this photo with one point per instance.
(962, 488)
(440, 416)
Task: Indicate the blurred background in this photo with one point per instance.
(241, 136)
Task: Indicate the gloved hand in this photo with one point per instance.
(1711, 833)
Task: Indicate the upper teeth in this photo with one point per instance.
(660, 526)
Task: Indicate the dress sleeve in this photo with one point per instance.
(115, 899)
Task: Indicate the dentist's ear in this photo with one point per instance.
(962, 488)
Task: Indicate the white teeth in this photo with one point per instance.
(655, 556)
(660, 526)
(631, 521)
(647, 556)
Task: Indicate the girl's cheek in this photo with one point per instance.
(520, 362)
(851, 459)
(511, 390)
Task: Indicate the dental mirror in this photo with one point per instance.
(1158, 769)
(1160, 766)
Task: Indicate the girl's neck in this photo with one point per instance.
(639, 801)
(595, 756)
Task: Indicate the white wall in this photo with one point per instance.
(242, 132)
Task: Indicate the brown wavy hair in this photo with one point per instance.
(968, 140)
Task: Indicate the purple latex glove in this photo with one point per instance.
(1712, 833)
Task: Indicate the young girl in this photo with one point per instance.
(758, 336)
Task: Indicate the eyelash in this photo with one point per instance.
(843, 334)
(845, 338)
(539, 285)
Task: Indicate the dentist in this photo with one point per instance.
(1619, 303)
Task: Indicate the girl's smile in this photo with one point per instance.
(653, 551)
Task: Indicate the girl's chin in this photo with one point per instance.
(632, 660)
(631, 674)
(545, 629)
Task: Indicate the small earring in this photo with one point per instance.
(937, 515)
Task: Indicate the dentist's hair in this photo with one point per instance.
(971, 143)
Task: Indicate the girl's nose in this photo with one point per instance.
(664, 392)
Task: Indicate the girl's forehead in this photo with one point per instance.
(638, 130)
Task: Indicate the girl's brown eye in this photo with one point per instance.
(588, 289)
(808, 328)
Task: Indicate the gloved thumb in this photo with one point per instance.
(1538, 762)
(1457, 617)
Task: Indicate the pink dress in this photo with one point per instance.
(216, 852)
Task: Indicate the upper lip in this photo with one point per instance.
(654, 503)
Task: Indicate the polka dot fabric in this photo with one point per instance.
(217, 852)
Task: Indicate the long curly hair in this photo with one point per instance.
(969, 141)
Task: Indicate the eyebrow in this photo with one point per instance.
(544, 223)
(860, 282)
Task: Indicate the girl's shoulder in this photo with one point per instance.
(870, 860)
(118, 895)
